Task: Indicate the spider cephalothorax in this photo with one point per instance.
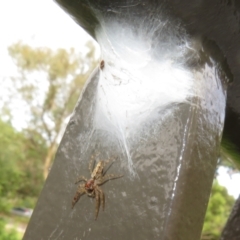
(91, 186)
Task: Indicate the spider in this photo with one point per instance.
(91, 186)
(102, 63)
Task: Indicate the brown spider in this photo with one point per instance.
(102, 63)
(91, 186)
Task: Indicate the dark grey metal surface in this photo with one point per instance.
(215, 20)
(232, 228)
(158, 105)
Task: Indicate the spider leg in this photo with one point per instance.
(110, 160)
(102, 197)
(82, 178)
(80, 191)
(91, 163)
(106, 178)
(97, 204)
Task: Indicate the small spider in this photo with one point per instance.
(91, 186)
(102, 63)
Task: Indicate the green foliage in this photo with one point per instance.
(7, 234)
(65, 73)
(219, 207)
(230, 156)
(21, 166)
(10, 154)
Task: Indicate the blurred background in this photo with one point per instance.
(45, 59)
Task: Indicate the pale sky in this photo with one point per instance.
(37, 23)
(43, 24)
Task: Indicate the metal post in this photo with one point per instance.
(156, 104)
